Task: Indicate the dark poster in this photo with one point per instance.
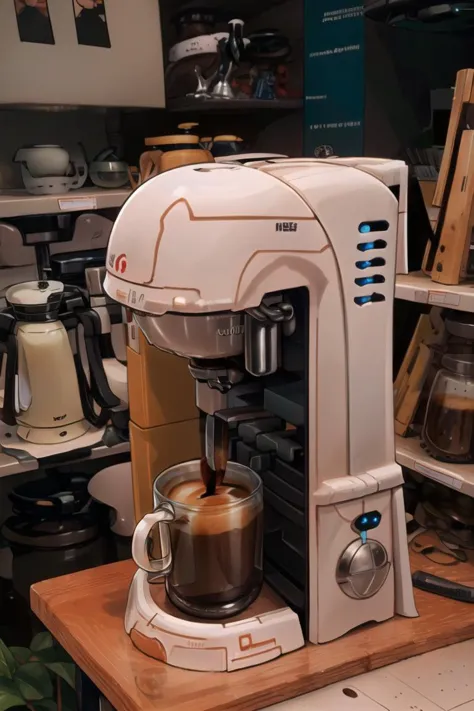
(91, 23)
(34, 24)
(334, 77)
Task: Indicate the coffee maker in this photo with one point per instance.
(276, 282)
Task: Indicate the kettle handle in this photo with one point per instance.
(8, 347)
(100, 388)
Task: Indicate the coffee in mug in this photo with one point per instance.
(212, 546)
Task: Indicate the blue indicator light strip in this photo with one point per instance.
(364, 228)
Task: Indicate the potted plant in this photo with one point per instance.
(40, 677)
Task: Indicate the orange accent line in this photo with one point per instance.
(175, 634)
(209, 218)
(275, 251)
(257, 654)
(253, 645)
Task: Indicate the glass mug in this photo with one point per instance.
(212, 548)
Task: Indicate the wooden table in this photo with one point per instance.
(85, 613)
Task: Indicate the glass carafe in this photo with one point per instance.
(448, 430)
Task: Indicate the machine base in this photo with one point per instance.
(265, 631)
(53, 435)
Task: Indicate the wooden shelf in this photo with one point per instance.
(190, 104)
(411, 454)
(10, 465)
(244, 9)
(419, 288)
(17, 203)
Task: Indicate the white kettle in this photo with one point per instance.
(50, 169)
(47, 394)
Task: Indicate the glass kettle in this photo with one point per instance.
(448, 430)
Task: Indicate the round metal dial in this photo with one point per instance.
(362, 568)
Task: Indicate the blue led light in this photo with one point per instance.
(365, 520)
(364, 228)
(375, 519)
(365, 299)
(365, 281)
(367, 246)
(364, 265)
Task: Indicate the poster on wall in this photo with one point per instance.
(91, 23)
(334, 78)
(34, 23)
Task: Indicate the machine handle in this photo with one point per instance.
(441, 586)
(163, 514)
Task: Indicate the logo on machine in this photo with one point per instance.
(234, 331)
(286, 226)
(59, 418)
(120, 263)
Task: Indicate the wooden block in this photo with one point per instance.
(453, 249)
(463, 94)
(156, 449)
(428, 188)
(160, 388)
(411, 377)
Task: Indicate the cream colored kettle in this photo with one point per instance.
(46, 393)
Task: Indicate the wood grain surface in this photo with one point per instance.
(85, 613)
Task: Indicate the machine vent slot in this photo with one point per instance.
(368, 246)
(374, 226)
(367, 263)
(369, 299)
(366, 281)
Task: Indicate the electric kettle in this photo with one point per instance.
(47, 393)
(49, 170)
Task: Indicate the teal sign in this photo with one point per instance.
(334, 77)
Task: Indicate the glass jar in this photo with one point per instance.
(448, 430)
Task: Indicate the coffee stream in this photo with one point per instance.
(213, 478)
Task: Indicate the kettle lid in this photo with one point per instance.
(34, 293)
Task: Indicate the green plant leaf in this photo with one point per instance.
(64, 671)
(21, 654)
(33, 680)
(7, 663)
(46, 705)
(45, 656)
(9, 695)
(43, 640)
(62, 655)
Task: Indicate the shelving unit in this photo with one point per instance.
(10, 465)
(242, 8)
(190, 104)
(419, 288)
(16, 203)
(411, 454)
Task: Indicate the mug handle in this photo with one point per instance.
(163, 514)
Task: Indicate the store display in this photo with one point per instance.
(46, 392)
(107, 171)
(166, 152)
(47, 170)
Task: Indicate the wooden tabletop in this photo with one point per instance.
(85, 613)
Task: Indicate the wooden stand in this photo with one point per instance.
(164, 420)
(85, 613)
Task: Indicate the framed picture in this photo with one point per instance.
(34, 24)
(91, 23)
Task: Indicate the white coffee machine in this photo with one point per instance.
(276, 281)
